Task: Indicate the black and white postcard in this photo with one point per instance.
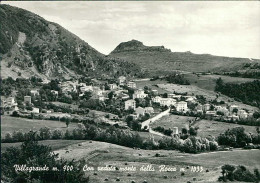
(130, 91)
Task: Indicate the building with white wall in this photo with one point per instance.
(130, 104)
(121, 80)
(139, 94)
(181, 106)
(27, 99)
(131, 84)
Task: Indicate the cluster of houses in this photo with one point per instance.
(98, 91)
(227, 113)
(172, 100)
(139, 111)
(10, 105)
(180, 103)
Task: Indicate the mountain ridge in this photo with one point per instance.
(163, 60)
(31, 45)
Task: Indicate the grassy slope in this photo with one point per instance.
(109, 154)
(155, 62)
(214, 128)
(102, 154)
(10, 124)
(206, 127)
(54, 144)
(208, 82)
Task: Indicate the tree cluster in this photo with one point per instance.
(177, 79)
(238, 173)
(32, 154)
(237, 137)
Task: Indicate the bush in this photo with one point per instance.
(57, 134)
(213, 145)
(18, 136)
(242, 174)
(45, 133)
(15, 114)
(8, 138)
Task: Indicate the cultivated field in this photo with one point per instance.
(206, 127)
(10, 124)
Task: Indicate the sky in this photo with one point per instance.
(219, 28)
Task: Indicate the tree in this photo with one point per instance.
(107, 86)
(235, 110)
(257, 130)
(67, 120)
(256, 114)
(57, 134)
(193, 131)
(129, 119)
(220, 113)
(184, 131)
(110, 95)
(87, 95)
(45, 133)
(227, 172)
(15, 114)
(8, 138)
(236, 137)
(165, 95)
(219, 84)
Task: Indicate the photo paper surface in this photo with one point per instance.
(131, 92)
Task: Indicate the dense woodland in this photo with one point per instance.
(248, 93)
(248, 74)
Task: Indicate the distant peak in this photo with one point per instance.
(130, 44)
(133, 41)
(135, 45)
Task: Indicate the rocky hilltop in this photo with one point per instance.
(31, 45)
(135, 45)
(159, 60)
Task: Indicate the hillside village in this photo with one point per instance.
(120, 102)
(147, 113)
